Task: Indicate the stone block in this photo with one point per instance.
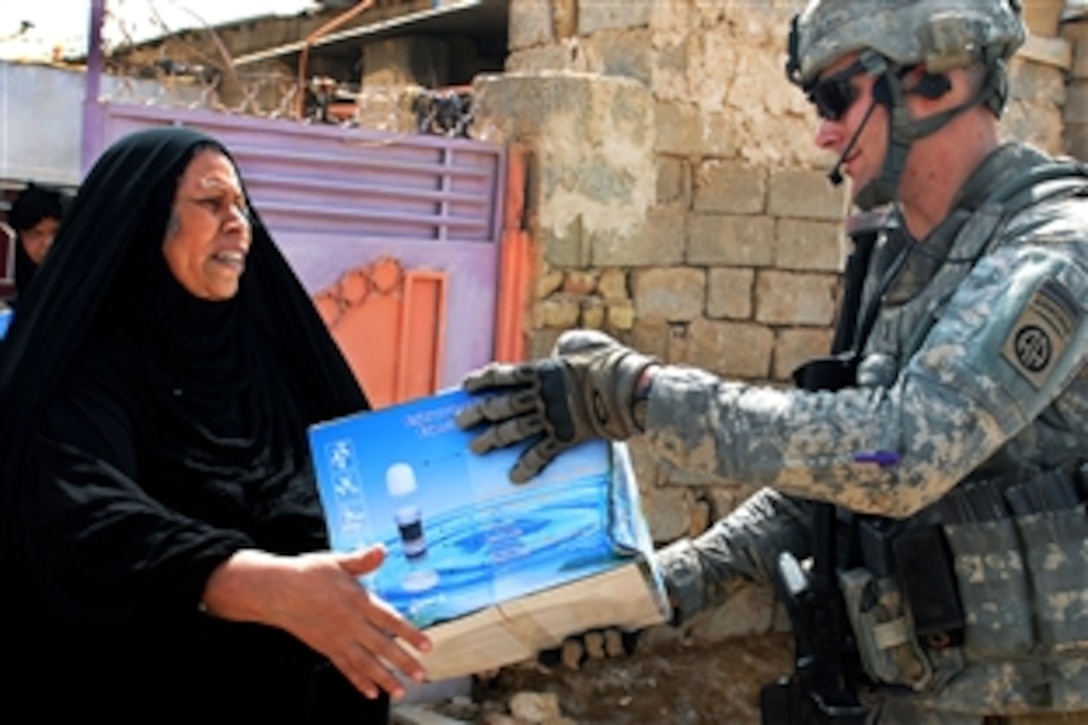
(627, 53)
(593, 313)
(669, 293)
(659, 241)
(722, 140)
(749, 611)
(564, 17)
(798, 345)
(406, 60)
(809, 245)
(564, 247)
(1075, 30)
(806, 195)
(679, 129)
(1076, 140)
(729, 187)
(1043, 17)
(559, 312)
(1076, 105)
(731, 349)
(787, 298)
(670, 66)
(673, 181)
(620, 316)
(612, 285)
(545, 57)
(668, 512)
(1038, 83)
(1080, 58)
(1031, 122)
(677, 352)
(528, 706)
(737, 241)
(530, 24)
(594, 15)
(580, 282)
(651, 337)
(541, 342)
(645, 462)
(729, 293)
(548, 282)
(593, 171)
(724, 498)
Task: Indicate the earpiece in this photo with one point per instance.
(932, 86)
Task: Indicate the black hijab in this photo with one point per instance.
(25, 269)
(106, 267)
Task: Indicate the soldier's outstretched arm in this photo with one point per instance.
(1013, 338)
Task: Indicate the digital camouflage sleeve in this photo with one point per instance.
(992, 375)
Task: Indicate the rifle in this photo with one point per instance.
(819, 690)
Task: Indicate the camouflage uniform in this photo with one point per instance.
(973, 374)
(952, 381)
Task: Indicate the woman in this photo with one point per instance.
(159, 510)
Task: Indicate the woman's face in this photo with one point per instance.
(208, 234)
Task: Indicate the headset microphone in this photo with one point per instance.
(931, 86)
(835, 175)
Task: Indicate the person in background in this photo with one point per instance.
(933, 469)
(35, 216)
(160, 531)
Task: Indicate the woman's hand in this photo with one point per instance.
(318, 599)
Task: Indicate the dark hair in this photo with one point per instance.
(35, 203)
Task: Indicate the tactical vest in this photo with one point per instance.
(996, 571)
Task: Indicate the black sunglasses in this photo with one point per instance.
(834, 95)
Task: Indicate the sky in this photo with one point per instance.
(64, 23)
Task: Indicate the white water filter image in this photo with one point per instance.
(400, 481)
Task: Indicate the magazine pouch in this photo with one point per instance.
(993, 588)
(884, 632)
(1056, 555)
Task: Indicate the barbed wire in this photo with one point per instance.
(193, 69)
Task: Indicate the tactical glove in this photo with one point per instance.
(585, 390)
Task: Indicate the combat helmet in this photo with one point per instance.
(941, 34)
(892, 35)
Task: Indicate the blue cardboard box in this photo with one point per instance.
(494, 571)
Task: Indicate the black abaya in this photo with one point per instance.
(148, 436)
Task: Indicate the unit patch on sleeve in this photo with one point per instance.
(1042, 332)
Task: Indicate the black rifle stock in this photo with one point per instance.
(819, 690)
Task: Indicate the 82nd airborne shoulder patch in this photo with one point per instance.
(1041, 333)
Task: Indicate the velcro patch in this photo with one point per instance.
(1042, 332)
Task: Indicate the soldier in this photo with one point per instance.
(938, 459)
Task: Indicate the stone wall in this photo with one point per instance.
(1076, 104)
(678, 201)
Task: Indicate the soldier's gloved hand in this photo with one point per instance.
(585, 390)
(595, 644)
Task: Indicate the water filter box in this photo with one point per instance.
(495, 571)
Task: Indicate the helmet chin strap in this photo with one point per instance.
(890, 91)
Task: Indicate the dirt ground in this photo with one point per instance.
(673, 684)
